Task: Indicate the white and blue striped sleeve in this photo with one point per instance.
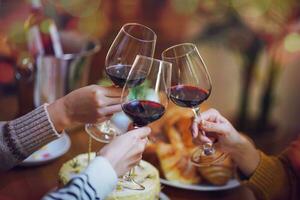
(95, 183)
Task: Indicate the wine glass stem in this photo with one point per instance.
(89, 149)
(207, 147)
(132, 170)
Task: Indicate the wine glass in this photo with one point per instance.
(191, 86)
(133, 39)
(148, 84)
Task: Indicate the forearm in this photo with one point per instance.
(246, 156)
(266, 175)
(78, 188)
(270, 180)
(98, 180)
(19, 138)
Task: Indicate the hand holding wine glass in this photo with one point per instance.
(240, 148)
(89, 104)
(191, 86)
(126, 151)
(133, 39)
(218, 127)
(148, 96)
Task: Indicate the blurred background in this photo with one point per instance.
(251, 48)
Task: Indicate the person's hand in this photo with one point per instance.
(89, 104)
(125, 151)
(218, 129)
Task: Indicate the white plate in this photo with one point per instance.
(163, 196)
(233, 183)
(49, 152)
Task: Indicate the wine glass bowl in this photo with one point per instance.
(133, 39)
(188, 66)
(190, 87)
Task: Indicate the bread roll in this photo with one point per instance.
(219, 173)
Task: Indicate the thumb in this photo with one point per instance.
(141, 132)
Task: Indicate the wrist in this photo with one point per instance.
(104, 155)
(245, 155)
(58, 115)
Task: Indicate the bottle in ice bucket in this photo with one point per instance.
(41, 32)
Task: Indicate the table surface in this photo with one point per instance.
(22, 183)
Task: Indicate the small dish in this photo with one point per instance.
(49, 152)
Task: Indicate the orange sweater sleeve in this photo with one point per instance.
(274, 179)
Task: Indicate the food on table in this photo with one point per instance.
(171, 148)
(145, 173)
(218, 174)
(176, 166)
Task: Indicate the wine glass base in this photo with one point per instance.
(100, 132)
(199, 158)
(128, 182)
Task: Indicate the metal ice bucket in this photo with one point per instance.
(57, 76)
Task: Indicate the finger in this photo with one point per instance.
(141, 132)
(108, 101)
(138, 158)
(109, 110)
(202, 139)
(113, 91)
(217, 128)
(133, 164)
(102, 119)
(195, 129)
(145, 140)
(210, 115)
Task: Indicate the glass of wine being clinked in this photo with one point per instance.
(133, 39)
(148, 100)
(191, 86)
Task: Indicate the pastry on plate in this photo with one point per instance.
(172, 149)
(219, 173)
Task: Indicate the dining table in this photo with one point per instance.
(33, 182)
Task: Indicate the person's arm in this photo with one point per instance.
(112, 161)
(273, 178)
(98, 180)
(21, 137)
(269, 177)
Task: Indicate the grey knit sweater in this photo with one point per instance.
(21, 137)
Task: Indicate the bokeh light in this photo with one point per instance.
(292, 42)
(79, 8)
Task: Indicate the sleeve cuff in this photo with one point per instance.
(102, 176)
(29, 133)
(50, 121)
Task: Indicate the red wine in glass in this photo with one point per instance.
(188, 96)
(149, 103)
(133, 39)
(119, 73)
(191, 86)
(143, 112)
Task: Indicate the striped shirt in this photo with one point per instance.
(95, 183)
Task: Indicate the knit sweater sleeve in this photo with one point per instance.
(273, 178)
(21, 137)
